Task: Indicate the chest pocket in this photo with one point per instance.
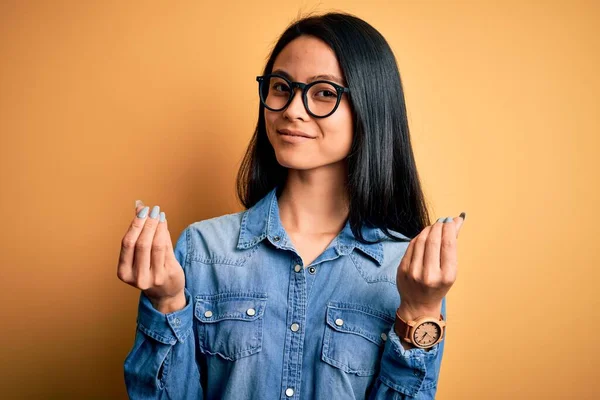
(354, 337)
(230, 324)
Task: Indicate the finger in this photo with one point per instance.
(416, 263)
(159, 251)
(431, 257)
(448, 253)
(127, 254)
(459, 221)
(405, 262)
(170, 250)
(143, 249)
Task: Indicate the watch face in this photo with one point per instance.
(426, 334)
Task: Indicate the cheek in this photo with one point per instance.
(270, 122)
(341, 127)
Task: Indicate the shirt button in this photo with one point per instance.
(289, 392)
(295, 328)
(177, 321)
(298, 268)
(384, 336)
(276, 238)
(312, 270)
(208, 314)
(339, 322)
(251, 312)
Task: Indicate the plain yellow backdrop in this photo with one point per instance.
(106, 102)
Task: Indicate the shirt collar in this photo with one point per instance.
(262, 221)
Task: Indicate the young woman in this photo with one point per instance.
(331, 283)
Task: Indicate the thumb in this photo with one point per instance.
(138, 206)
(460, 221)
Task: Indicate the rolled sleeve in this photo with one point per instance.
(411, 372)
(165, 328)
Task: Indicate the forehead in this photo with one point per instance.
(307, 56)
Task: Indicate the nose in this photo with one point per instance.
(296, 110)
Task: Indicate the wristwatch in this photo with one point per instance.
(423, 332)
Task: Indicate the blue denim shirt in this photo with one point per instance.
(260, 325)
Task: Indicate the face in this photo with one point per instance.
(307, 59)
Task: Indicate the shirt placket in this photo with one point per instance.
(294, 343)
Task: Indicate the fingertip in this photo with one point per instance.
(143, 212)
(163, 217)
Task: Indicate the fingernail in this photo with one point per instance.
(463, 215)
(138, 203)
(448, 219)
(143, 212)
(155, 211)
(440, 220)
(163, 217)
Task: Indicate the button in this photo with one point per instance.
(339, 322)
(416, 373)
(251, 312)
(289, 392)
(312, 270)
(276, 238)
(177, 321)
(295, 327)
(208, 314)
(298, 268)
(384, 336)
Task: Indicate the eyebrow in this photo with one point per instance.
(327, 77)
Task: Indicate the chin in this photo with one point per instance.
(299, 163)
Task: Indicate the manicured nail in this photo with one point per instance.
(143, 212)
(155, 211)
(138, 203)
(448, 219)
(163, 217)
(440, 220)
(463, 215)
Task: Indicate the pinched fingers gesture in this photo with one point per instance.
(147, 259)
(429, 267)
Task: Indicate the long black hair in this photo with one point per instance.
(383, 184)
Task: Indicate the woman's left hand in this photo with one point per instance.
(428, 269)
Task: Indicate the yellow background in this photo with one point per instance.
(105, 102)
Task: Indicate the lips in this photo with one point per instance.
(289, 132)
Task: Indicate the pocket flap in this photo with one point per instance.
(225, 306)
(359, 320)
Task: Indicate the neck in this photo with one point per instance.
(315, 201)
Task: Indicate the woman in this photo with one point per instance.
(312, 290)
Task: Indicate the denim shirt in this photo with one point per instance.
(258, 324)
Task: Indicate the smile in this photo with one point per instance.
(294, 136)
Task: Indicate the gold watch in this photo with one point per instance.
(423, 332)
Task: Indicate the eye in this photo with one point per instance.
(323, 91)
(326, 93)
(280, 87)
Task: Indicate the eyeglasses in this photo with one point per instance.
(320, 98)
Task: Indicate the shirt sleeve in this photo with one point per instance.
(162, 362)
(408, 374)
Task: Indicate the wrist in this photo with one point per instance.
(409, 313)
(169, 304)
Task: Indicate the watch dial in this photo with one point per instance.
(427, 333)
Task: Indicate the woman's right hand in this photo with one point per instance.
(147, 260)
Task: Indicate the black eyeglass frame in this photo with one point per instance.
(340, 90)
